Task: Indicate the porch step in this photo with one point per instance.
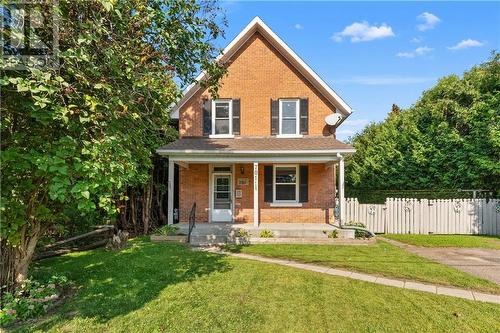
(210, 239)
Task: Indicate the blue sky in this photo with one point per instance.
(374, 54)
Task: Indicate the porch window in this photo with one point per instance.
(285, 183)
(222, 115)
(289, 117)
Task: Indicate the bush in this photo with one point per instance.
(169, 230)
(266, 234)
(30, 299)
(242, 233)
(333, 234)
(357, 233)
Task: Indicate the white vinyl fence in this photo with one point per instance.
(423, 216)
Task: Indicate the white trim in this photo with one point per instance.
(258, 25)
(285, 204)
(230, 119)
(289, 136)
(257, 159)
(297, 183)
(255, 152)
(170, 194)
(297, 118)
(211, 174)
(256, 194)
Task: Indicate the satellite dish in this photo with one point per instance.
(333, 119)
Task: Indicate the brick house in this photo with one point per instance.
(261, 152)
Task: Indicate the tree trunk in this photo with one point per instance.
(16, 259)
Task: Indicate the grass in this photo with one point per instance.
(168, 288)
(485, 242)
(380, 258)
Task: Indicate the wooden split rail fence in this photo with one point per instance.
(423, 216)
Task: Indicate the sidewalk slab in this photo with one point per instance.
(455, 292)
(339, 272)
(363, 277)
(486, 297)
(390, 282)
(420, 287)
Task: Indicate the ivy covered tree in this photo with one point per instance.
(449, 139)
(74, 137)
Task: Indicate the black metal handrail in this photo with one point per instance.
(192, 221)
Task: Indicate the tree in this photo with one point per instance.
(449, 139)
(74, 137)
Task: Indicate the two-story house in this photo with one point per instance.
(261, 152)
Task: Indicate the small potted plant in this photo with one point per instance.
(168, 233)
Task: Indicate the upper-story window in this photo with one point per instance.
(289, 116)
(222, 118)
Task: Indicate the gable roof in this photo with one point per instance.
(257, 25)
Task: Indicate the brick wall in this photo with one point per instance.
(256, 74)
(319, 209)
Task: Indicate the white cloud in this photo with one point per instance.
(356, 123)
(351, 127)
(363, 32)
(298, 26)
(416, 40)
(465, 44)
(384, 80)
(419, 51)
(429, 21)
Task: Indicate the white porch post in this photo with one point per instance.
(170, 194)
(256, 194)
(341, 189)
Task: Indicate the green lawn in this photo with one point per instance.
(168, 288)
(381, 258)
(486, 242)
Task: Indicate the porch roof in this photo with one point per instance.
(308, 145)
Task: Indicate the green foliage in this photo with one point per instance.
(449, 139)
(357, 233)
(169, 230)
(242, 233)
(30, 299)
(266, 234)
(333, 234)
(74, 137)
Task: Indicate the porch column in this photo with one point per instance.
(170, 193)
(256, 194)
(341, 189)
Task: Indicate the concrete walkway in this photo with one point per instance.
(439, 290)
(483, 263)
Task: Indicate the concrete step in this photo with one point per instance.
(208, 239)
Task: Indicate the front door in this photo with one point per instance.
(222, 204)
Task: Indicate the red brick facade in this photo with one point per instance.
(257, 74)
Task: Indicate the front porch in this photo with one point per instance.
(293, 181)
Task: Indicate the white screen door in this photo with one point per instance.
(222, 204)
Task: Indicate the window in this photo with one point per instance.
(289, 117)
(286, 183)
(222, 115)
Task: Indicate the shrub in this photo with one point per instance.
(242, 233)
(333, 234)
(169, 230)
(357, 233)
(266, 234)
(30, 299)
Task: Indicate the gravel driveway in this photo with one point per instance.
(484, 263)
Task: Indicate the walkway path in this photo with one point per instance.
(483, 263)
(440, 290)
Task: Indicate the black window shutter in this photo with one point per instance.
(207, 117)
(304, 116)
(275, 116)
(304, 183)
(236, 116)
(268, 183)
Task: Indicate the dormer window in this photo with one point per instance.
(222, 118)
(289, 115)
